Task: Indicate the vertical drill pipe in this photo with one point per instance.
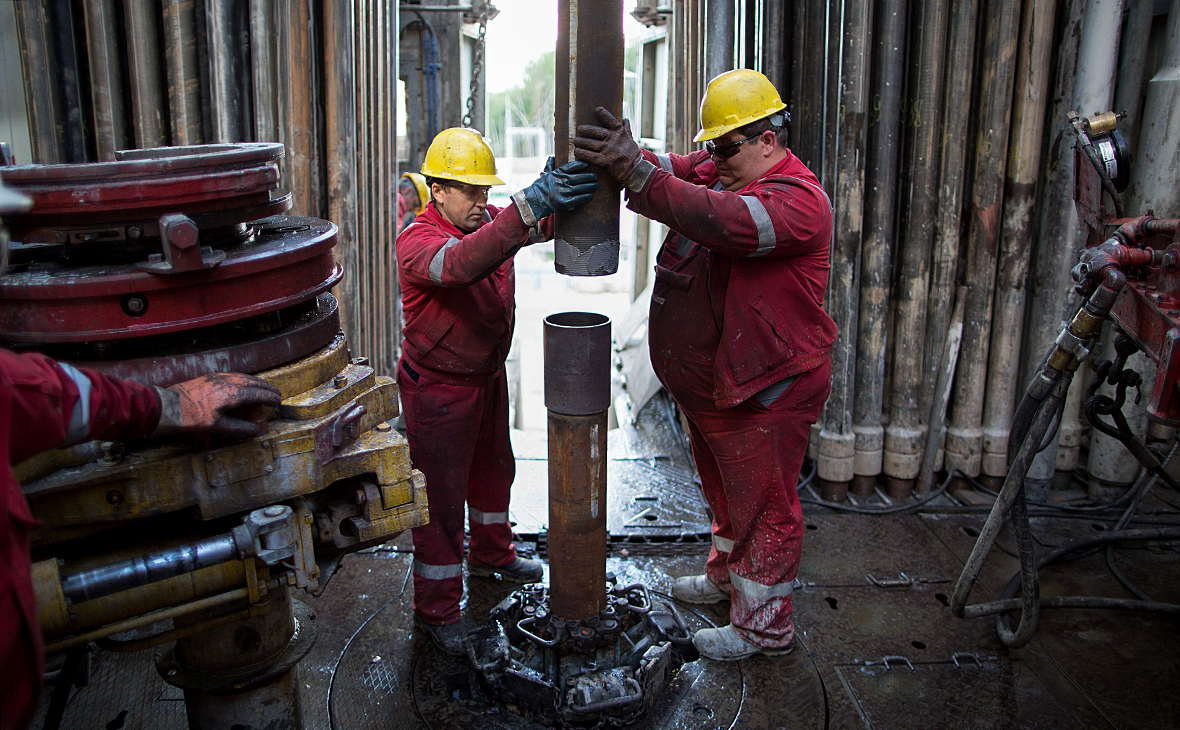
(1132, 61)
(877, 249)
(807, 138)
(960, 56)
(184, 78)
(1016, 234)
(1097, 63)
(836, 440)
(262, 70)
(577, 395)
(1154, 182)
(106, 78)
(589, 75)
(33, 32)
(719, 37)
(964, 437)
(1053, 298)
(149, 102)
(342, 160)
(775, 45)
(903, 437)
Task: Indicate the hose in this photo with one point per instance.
(1049, 388)
(871, 511)
(430, 68)
(1007, 602)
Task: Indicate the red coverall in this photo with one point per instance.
(41, 408)
(737, 308)
(459, 301)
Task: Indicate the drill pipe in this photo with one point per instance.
(589, 75)
(577, 394)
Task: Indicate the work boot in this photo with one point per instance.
(448, 637)
(698, 589)
(519, 570)
(727, 645)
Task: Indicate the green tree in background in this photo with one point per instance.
(531, 101)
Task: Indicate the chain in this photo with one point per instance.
(477, 66)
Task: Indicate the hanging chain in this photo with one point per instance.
(477, 66)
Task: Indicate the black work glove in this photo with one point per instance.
(612, 147)
(565, 188)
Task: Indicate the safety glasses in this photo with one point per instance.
(725, 151)
(473, 193)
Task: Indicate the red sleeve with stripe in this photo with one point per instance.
(432, 253)
(763, 219)
(42, 397)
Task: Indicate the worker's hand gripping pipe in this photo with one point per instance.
(1100, 278)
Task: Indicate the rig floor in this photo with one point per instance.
(879, 647)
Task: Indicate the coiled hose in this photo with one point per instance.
(1100, 276)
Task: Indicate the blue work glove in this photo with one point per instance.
(565, 188)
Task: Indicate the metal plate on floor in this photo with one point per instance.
(124, 692)
(389, 676)
(976, 693)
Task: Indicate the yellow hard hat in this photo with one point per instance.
(735, 99)
(462, 155)
(420, 186)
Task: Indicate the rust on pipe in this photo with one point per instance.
(964, 437)
(589, 69)
(960, 58)
(836, 439)
(577, 395)
(903, 438)
(1016, 235)
(884, 141)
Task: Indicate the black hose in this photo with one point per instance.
(871, 511)
(1049, 388)
(1007, 602)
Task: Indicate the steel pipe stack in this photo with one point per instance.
(589, 75)
(1017, 232)
(837, 440)
(884, 134)
(903, 437)
(964, 437)
(577, 395)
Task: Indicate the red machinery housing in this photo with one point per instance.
(161, 266)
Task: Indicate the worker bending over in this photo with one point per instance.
(459, 301)
(738, 336)
(44, 405)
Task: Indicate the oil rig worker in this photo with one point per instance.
(412, 197)
(738, 337)
(458, 295)
(45, 404)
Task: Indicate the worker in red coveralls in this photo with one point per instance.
(46, 404)
(738, 336)
(412, 197)
(459, 301)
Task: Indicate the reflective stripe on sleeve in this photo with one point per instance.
(486, 518)
(436, 263)
(665, 162)
(762, 220)
(723, 544)
(760, 592)
(437, 572)
(80, 417)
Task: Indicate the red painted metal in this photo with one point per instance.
(238, 182)
(308, 333)
(289, 261)
(1148, 310)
